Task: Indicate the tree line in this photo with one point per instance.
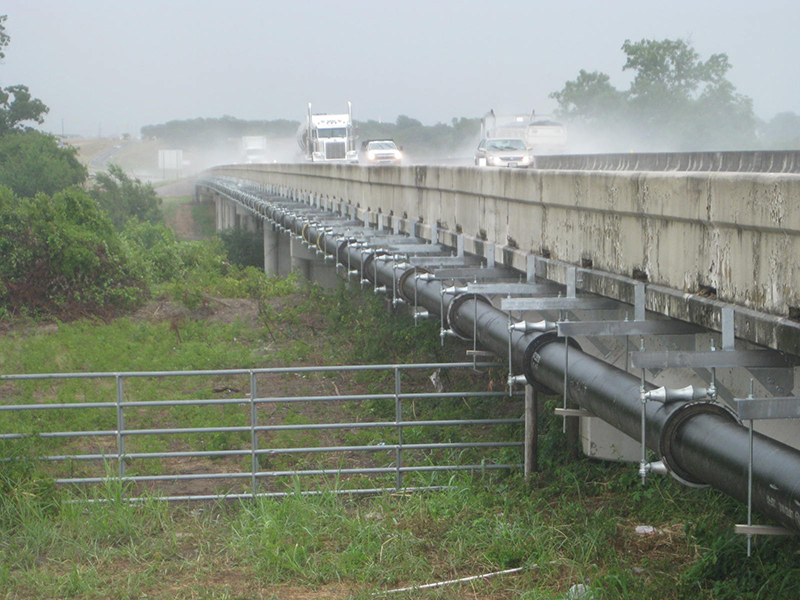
(425, 139)
(675, 102)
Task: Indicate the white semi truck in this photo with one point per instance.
(541, 134)
(254, 149)
(326, 138)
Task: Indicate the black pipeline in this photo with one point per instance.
(700, 441)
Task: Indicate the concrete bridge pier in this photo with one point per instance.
(226, 213)
(272, 238)
(245, 220)
(306, 263)
(301, 258)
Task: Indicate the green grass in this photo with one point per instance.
(59, 548)
(575, 524)
(202, 215)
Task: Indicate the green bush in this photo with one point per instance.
(60, 254)
(125, 198)
(244, 248)
(32, 162)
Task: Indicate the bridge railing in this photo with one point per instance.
(772, 161)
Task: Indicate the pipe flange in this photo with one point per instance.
(401, 281)
(341, 250)
(531, 357)
(304, 233)
(366, 267)
(454, 305)
(670, 429)
(320, 235)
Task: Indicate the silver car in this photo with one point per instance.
(506, 152)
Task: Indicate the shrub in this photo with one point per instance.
(32, 162)
(244, 248)
(61, 255)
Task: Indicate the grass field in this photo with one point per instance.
(576, 525)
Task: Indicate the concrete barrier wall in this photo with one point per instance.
(732, 235)
(768, 161)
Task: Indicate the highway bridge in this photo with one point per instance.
(658, 294)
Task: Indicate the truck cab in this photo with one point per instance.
(326, 137)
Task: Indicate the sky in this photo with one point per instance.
(106, 67)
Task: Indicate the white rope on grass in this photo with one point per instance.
(441, 583)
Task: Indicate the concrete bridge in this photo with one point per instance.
(700, 240)
(714, 250)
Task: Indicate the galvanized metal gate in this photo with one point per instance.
(249, 439)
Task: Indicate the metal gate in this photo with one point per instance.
(159, 434)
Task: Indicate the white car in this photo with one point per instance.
(380, 152)
(506, 152)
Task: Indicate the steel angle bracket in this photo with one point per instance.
(787, 407)
(614, 328)
(422, 249)
(558, 303)
(528, 289)
(669, 432)
(573, 412)
(438, 261)
(410, 243)
(703, 359)
(531, 357)
(378, 238)
(751, 408)
(474, 273)
(751, 530)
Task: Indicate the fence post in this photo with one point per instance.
(253, 433)
(531, 432)
(398, 415)
(120, 428)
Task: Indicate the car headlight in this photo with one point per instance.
(398, 155)
(371, 155)
(492, 160)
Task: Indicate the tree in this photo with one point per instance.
(16, 103)
(4, 37)
(782, 132)
(18, 106)
(124, 198)
(33, 162)
(675, 102)
(591, 97)
(670, 68)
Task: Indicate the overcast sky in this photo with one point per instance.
(107, 66)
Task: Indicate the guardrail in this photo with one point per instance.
(137, 438)
(767, 161)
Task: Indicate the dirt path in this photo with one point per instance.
(177, 189)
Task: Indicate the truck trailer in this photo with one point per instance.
(254, 149)
(541, 133)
